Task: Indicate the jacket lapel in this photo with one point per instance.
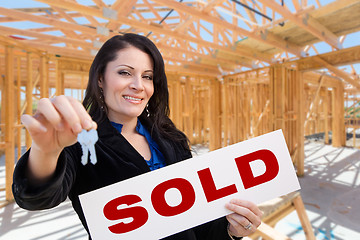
(114, 140)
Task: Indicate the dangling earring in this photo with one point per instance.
(147, 110)
(102, 99)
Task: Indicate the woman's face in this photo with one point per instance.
(128, 84)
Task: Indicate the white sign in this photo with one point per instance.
(186, 194)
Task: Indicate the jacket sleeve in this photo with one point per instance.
(47, 195)
(213, 230)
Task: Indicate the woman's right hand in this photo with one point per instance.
(54, 126)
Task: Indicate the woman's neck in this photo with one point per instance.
(128, 126)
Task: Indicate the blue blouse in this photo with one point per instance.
(157, 159)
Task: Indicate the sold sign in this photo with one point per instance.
(186, 194)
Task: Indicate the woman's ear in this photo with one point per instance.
(100, 82)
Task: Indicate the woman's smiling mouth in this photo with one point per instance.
(133, 99)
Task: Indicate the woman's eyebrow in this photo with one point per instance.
(125, 65)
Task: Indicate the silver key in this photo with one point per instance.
(87, 139)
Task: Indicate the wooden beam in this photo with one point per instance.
(338, 111)
(328, 81)
(250, 13)
(333, 7)
(47, 21)
(125, 7)
(271, 233)
(158, 29)
(188, 110)
(296, 4)
(338, 72)
(337, 58)
(59, 50)
(304, 219)
(184, 71)
(195, 65)
(314, 101)
(326, 101)
(156, 14)
(7, 41)
(215, 113)
(308, 23)
(44, 81)
(90, 18)
(211, 5)
(352, 105)
(263, 112)
(201, 58)
(99, 3)
(300, 130)
(55, 39)
(9, 121)
(19, 111)
(29, 94)
(313, 26)
(266, 37)
(69, 17)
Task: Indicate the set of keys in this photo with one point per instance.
(87, 139)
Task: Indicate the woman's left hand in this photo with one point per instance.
(245, 219)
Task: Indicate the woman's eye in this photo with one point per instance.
(124, 73)
(148, 77)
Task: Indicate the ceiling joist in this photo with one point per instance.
(204, 36)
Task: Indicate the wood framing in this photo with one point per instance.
(9, 120)
(234, 72)
(286, 97)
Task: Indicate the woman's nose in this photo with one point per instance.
(137, 83)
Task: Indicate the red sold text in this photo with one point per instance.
(140, 215)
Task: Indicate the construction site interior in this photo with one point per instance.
(236, 69)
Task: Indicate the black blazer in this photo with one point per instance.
(117, 161)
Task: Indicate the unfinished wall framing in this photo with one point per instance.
(282, 97)
(213, 111)
(260, 101)
(214, 97)
(26, 76)
(352, 118)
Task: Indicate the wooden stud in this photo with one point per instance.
(326, 117)
(44, 84)
(187, 104)
(300, 128)
(269, 232)
(29, 94)
(338, 126)
(58, 81)
(305, 223)
(9, 121)
(18, 128)
(215, 101)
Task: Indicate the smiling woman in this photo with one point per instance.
(233, 74)
(128, 86)
(127, 101)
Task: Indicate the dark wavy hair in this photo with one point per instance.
(158, 103)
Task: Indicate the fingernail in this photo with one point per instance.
(77, 127)
(22, 119)
(87, 124)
